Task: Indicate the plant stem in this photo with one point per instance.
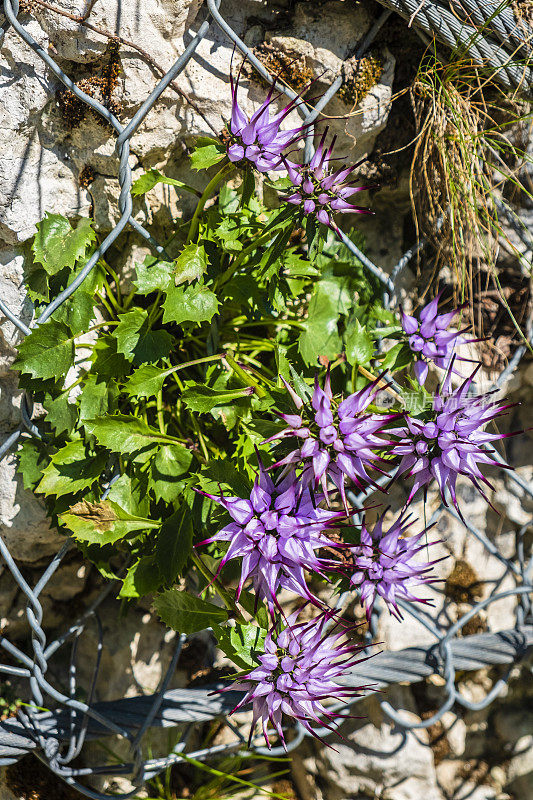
(382, 383)
(111, 297)
(208, 191)
(198, 361)
(247, 379)
(234, 266)
(224, 595)
(160, 415)
(199, 433)
(105, 304)
(103, 324)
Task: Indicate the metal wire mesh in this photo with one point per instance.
(58, 736)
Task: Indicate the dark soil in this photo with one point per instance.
(28, 779)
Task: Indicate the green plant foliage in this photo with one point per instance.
(179, 383)
(186, 613)
(58, 245)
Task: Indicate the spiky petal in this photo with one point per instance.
(429, 338)
(259, 139)
(299, 669)
(449, 441)
(322, 190)
(338, 442)
(276, 532)
(385, 564)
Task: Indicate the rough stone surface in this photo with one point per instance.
(520, 774)
(141, 647)
(373, 761)
(23, 525)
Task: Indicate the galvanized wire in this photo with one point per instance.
(58, 736)
(495, 40)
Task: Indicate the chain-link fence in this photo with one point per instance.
(494, 38)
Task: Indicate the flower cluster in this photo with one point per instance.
(450, 441)
(322, 190)
(277, 533)
(339, 442)
(385, 564)
(429, 338)
(282, 533)
(299, 670)
(259, 139)
(287, 531)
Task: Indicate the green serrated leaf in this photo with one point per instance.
(221, 472)
(242, 644)
(167, 470)
(276, 249)
(94, 399)
(320, 338)
(153, 275)
(204, 398)
(359, 344)
(77, 312)
(399, 356)
(187, 614)
(103, 523)
(189, 304)
(248, 186)
(228, 199)
(391, 330)
(229, 233)
(32, 458)
(142, 578)
(137, 341)
(191, 264)
(174, 544)
(131, 494)
(47, 352)
(153, 177)
(207, 155)
(107, 361)
(100, 556)
(331, 298)
(61, 414)
(124, 433)
(57, 245)
(146, 381)
(70, 470)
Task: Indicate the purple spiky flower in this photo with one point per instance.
(322, 190)
(338, 441)
(450, 440)
(276, 532)
(259, 139)
(385, 564)
(429, 339)
(299, 670)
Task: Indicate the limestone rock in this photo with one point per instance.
(375, 760)
(325, 37)
(135, 655)
(14, 296)
(23, 525)
(35, 175)
(159, 25)
(520, 773)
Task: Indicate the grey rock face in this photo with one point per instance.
(374, 761)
